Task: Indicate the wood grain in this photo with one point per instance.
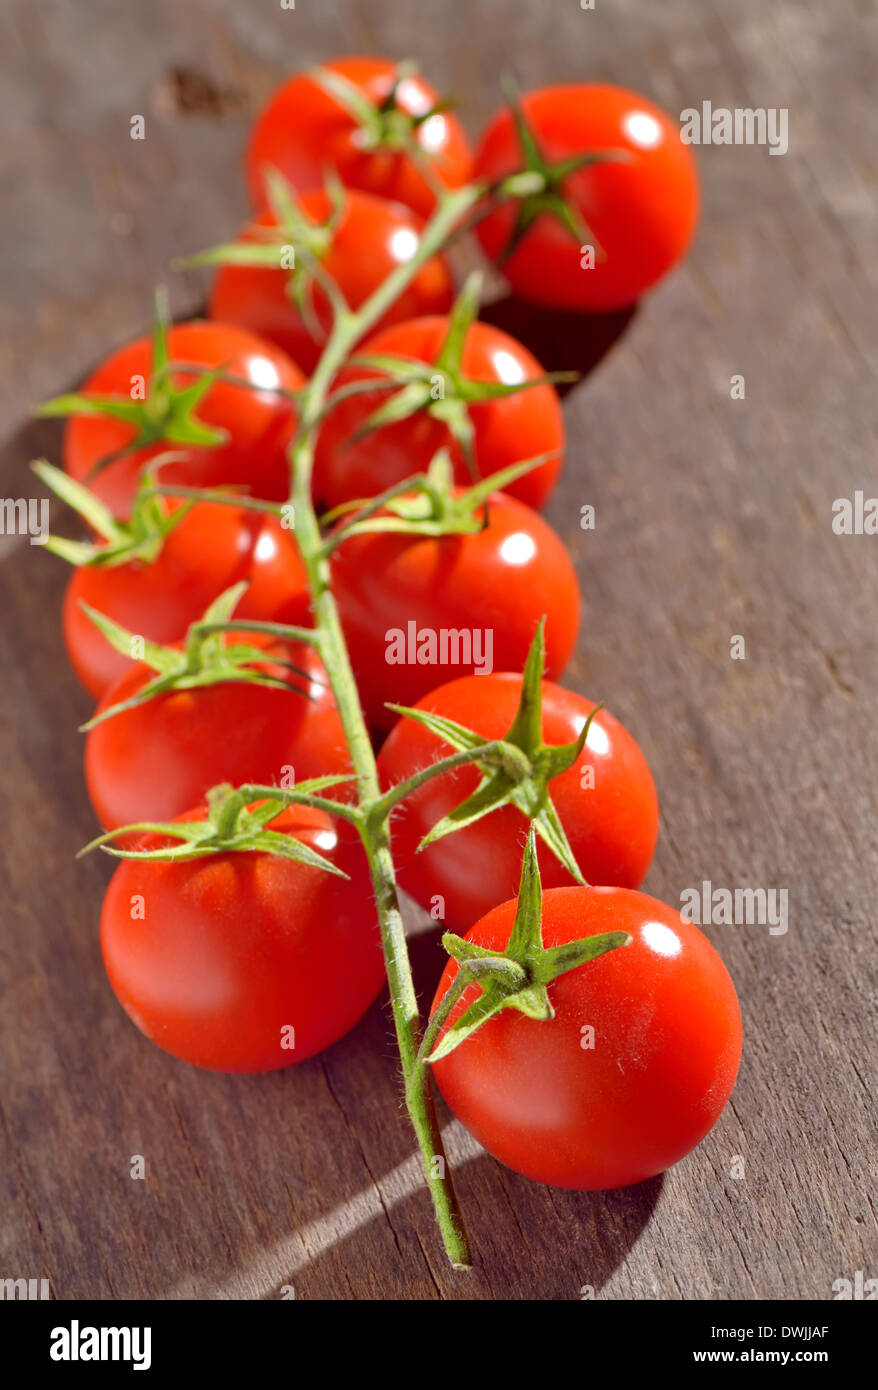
(713, 519)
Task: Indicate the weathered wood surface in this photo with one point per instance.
(714, 519)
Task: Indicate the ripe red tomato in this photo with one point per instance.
(303, 131)
(216, 959)
(507, 430)
(612, 825)
(373, 238)
(642, 209)
(259, 422)
(212, 548)
(562, 1108)
(152, 762)
(492, 586)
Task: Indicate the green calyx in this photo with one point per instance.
(233, 825)
(519, 977)
(520, 772)
(440, 389)
(428, 504)
(538, 186)
(293, 247)
(386, 125)
(167, 414)
(141, 537)
(204, 658)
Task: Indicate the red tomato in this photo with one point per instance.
(258, 422)
(151, 762)
(303, 131)
(665, 1053)
(490, 587)
(229, 953)
(642, 210)
(212, 548)
(507, 430)
(372, 239)
(612, 826)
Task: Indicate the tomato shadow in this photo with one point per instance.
(32, 439)
(560, 341)
(574, 1240)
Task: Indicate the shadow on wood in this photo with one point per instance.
(561, 342)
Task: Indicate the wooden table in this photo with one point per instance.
(713, 520)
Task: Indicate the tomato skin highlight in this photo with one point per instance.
(642, 210)
(212, 548)
(231, 949)
(154, 761)
(373, 237)
(259, 423)
(612, 826)
(303, 130)
(667, 1045)
(502, 579)
(507, 430)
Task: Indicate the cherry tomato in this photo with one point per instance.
(303, 131)
(576, 1110)
(152, 762)
(259, 423)
(489, 589)
(217, 959)
(507, 430)
(212, 548)
(610, 815)
(641, 208)
(372, 238)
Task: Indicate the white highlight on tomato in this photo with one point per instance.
(266, 548)
(643, 129)
(661, 939)
(518, 548)
(263, 373)
(598, 739)
(404, 244)
(433, 132)
(412, 97)
(510, 372)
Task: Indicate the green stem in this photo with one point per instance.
(347, 330)
(468, 973)
(385, 804)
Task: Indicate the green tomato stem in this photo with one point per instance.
(348, 329)
(391, 798)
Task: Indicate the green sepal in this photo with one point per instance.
(139, 538)
(385, 126)
(349, 96)
(309, 241)
(202, 660)
(430, 505)
(248, 832)
(537, 187)
(167, 413)
(520, 775)
(414, 382)
(160, 658)
(517, 978)
(413, 397)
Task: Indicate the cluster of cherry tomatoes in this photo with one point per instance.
(214, 957)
